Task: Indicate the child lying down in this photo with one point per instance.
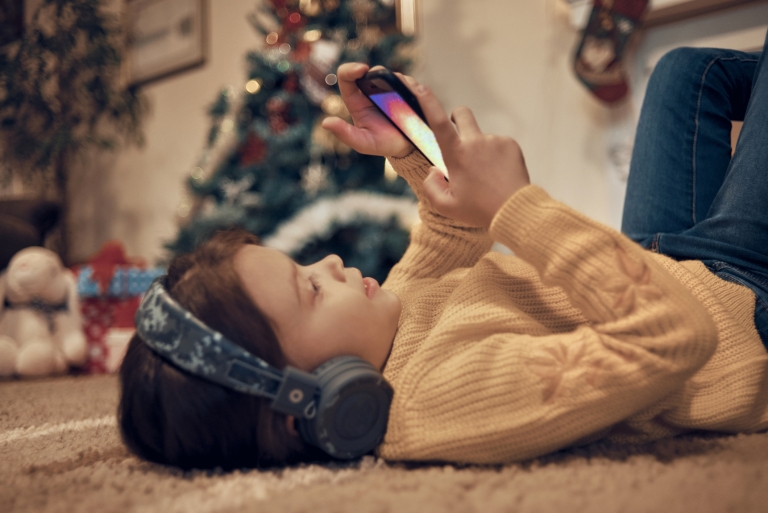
(245, 359)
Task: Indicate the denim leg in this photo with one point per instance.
(687, 198)
(682, 148)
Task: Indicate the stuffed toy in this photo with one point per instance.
(40, 324)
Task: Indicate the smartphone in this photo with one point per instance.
(400, 106)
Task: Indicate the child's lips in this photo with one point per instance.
(371, 286)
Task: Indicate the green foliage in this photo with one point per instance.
(61, 88)
(267, 159)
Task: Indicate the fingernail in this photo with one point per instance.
(421, 89)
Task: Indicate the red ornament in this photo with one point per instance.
(294, 21)
(253, 150)
(277, 114)
(291, 83)
(301, 52)
(276, 105)
(278, 4)
(277, 124)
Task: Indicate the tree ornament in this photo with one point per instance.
(276, 114)
(370, 36)
(322, 138)
(291, 83)
(310, 7)
(362, 8)
(253, 150)
(294, 21)
(334, 105)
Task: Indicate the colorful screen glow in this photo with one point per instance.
(403, 116)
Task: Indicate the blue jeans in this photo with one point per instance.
(686, 196)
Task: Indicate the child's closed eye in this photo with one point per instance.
(313, 279)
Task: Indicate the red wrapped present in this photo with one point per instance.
(110, 286)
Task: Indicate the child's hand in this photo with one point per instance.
(372, 133)
(485, 170)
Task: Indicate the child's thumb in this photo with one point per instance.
(438, 191)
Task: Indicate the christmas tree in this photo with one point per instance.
(268, 165)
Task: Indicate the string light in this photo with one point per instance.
(253, 86)
(197, 173)
(227, 125)
(183, 210)
(285, 48)
(272, 38)
(310, 7)
(331, 79)
(311, 36)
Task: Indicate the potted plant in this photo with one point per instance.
(63, 91)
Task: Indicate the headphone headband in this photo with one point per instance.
(185, 341)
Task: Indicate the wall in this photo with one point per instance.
(508, 60)
(133, 196)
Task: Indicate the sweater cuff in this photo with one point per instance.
(414, 167)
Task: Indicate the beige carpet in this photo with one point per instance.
(60, 451)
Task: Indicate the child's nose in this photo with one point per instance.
(335, 265)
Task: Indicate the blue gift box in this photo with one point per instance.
(126, 281)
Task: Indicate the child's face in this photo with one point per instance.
(322, 310)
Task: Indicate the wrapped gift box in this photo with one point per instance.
(110, 287)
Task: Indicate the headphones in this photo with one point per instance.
(342, 407)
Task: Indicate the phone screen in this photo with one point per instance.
(402, 115)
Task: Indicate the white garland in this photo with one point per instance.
(318, 219)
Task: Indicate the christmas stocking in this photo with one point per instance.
(599, 56)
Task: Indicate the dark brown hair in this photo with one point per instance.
(169, 416)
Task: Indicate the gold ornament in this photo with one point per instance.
(370, 36)
(330, 5)
(334, 105)
(323, 138)
(362, 8)
(310, 7)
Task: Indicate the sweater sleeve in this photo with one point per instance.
(493, 396)
(438, 244)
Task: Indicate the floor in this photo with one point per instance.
(60, 451)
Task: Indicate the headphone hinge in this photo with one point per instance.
(297, 394)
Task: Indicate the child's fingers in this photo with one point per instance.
(347, 74)
(465, 122)
(438, 121)
(438, 192)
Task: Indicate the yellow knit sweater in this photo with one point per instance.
(582, 335)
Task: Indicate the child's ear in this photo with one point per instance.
(290, 425)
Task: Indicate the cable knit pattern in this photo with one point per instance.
(581, 335)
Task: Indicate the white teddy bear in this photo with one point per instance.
(40, 325)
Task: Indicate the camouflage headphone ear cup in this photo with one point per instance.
(352, 411)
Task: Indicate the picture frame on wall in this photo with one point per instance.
(165, 37)
(668, 11)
